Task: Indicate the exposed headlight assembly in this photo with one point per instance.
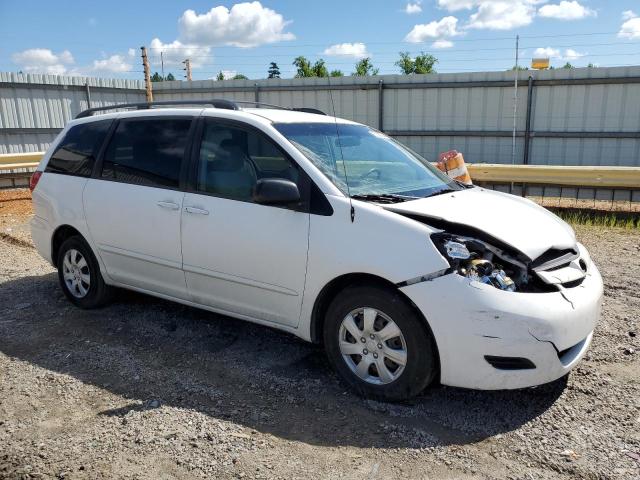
(480, 261)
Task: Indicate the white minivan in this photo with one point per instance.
(324, 228)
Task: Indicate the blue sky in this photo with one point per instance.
(103, 38)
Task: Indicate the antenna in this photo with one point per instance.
(344, 166)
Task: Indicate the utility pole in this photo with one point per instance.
(147, 75)
(162, 64)
(187, 67)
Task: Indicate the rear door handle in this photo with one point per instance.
(168, 205)
(199, 211)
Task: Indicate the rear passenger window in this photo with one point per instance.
(147, 151)
(76, 153)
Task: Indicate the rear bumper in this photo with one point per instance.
(471, 320)
(41, 234)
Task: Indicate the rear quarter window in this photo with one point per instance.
(76, 153)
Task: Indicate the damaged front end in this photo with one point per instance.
(506, 269)
(482, 262)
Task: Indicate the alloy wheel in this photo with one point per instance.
(76, 274)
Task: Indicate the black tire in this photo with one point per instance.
(421, 364)
(98, 293)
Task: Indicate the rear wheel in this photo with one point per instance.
(379, 344)
(79, 274)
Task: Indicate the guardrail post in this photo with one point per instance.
(380, 105)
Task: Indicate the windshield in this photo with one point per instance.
(369, 162)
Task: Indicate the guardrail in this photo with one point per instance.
(576, 176)
(12, 161)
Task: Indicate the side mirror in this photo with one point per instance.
(276, 191)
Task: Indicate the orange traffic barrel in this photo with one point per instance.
(452, 163)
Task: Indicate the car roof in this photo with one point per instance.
(278, 115)
(270, 115)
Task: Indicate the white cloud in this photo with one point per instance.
(442, 43)
(502, 14)
(355, 50)
(43, 60)
(176, 52)
(546, 52)
(131, 52)
(413, 8)
(455, 5)
(571, 54)
(112, 64)
(246, 24)
(495, 14)
(445, 27)
(631, 27)
(566, 10)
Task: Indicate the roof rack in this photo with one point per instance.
(216, 103)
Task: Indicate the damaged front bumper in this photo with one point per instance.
(475, 323)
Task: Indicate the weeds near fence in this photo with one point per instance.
(625, 220)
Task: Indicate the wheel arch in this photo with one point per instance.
(62, 233)
(331, 289)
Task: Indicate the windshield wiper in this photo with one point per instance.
(383, 197)
(441, 192)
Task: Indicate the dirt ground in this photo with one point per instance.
(150, 389)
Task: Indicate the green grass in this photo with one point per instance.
(625, 220)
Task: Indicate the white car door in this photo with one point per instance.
(133, 207)
(239, 256)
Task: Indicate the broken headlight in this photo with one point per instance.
(477, 260)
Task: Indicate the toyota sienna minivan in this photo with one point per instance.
(321, 227)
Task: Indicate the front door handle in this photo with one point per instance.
(196, 210)
(168, 205)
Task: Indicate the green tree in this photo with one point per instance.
(519, 68)
(274, 70)
(336, 73)
(303, 67)
(568, 66)
(220, 76)
(406, 63)
(170, 77)
(591, 65)
(156, 77)
(423, 63)
(239, 76)
(364, 68)
(306, 69)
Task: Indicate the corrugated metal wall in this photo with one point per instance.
(588, 116)
(34, 108)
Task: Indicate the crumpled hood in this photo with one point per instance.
(516, 221)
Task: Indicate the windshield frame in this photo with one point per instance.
(339, 178)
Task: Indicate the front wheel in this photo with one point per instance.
(378, 344)
(79, 274)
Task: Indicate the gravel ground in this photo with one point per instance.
(150, 389)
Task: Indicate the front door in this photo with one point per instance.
(239, 256)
